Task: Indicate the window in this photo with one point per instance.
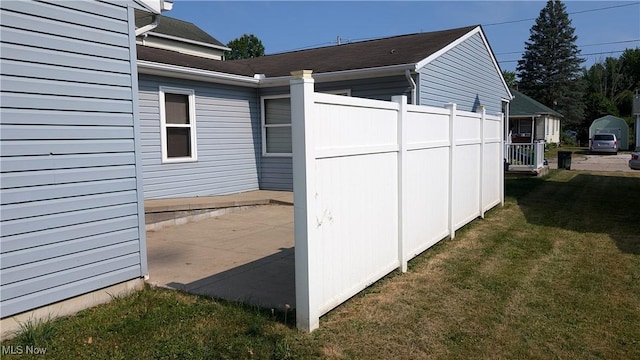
(276, 123)
(276, 126)
(178, 125)
(524, 128)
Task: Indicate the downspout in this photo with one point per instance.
(407, 73)
(148, 27)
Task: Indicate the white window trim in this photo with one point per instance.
(265, 126)
(192, 124)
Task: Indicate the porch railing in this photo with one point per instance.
(525, 156)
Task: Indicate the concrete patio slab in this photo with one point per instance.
(161, 213)
(241, 256)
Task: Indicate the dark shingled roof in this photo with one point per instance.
(522, 105)
(397, 50)
(177, 28)
(197, 62)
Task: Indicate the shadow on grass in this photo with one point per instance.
(583, 202)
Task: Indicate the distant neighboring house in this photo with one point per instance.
(613, 125)
(219, 127)
(530, 121)
(72, 230)
(172, 34)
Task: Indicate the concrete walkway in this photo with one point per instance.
(240, 256)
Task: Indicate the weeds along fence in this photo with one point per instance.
(376, 183)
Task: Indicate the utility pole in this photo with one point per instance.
(636, 115)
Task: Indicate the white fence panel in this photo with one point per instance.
(427, 174)
(466, 190)
(376, 183)
(356, 191)
(466, 168)
(492, 162)
(352, 126)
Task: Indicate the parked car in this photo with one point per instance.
(604, 143)
(634, 162)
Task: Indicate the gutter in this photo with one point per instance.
(342, 75)
(181, 72)
(261, 81)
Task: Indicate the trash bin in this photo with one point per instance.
(564, 160)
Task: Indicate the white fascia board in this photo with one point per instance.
(181, 72)
(155, 6)
(179, 39)
(343, 75)
(476, 30)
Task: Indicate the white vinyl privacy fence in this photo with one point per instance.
(376, 183)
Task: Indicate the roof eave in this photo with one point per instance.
(342, 75)
(199, 43)
(535, 114)
(181, 72)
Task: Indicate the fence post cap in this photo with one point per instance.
(302, 74)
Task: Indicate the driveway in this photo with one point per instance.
(242, 256)
(619, 162)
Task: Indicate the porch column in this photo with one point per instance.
(533, 129)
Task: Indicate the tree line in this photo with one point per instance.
(550, 71)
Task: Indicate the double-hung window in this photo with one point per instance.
(276, 123)
(276, 126)
(178, 125)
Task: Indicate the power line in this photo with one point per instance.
(605, 43)
(484, 25)
(571, 13)
(598, 53)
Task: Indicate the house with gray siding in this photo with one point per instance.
(233, 132)
(71, 207)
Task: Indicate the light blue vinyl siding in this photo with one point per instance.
(70, 220)
(228, 141)
(464, 75)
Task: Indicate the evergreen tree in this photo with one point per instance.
(550, 69)
(245, 47)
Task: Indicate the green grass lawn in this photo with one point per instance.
(555, 273)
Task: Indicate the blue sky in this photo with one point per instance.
(602, 26)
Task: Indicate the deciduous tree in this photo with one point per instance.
(245, 47)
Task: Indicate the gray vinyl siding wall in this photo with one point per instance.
(69, 180)
(228, 141)
(464, 75)
(276, 171)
